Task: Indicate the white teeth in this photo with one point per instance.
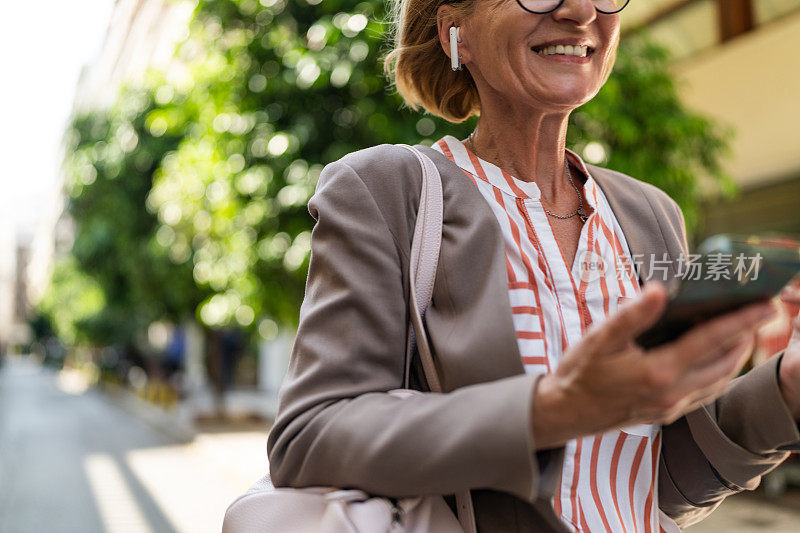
(567, 50)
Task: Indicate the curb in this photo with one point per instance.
(177, 425)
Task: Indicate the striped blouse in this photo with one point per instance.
(608, 482)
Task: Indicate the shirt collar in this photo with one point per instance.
(455, 150)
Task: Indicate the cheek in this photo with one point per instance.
(608, 63)
(502, 58)
(611, 34)
(524, 71)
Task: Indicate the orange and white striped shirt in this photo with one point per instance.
(608, 482)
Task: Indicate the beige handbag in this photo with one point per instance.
(264, 508)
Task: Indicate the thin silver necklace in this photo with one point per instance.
(579, 211)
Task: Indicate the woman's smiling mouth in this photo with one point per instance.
(571, 53)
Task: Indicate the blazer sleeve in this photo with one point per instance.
(725, 447)
(336, 425)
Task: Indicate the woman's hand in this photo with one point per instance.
(607, 381)
(789, 377)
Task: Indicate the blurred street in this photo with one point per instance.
(72, 461)
(752, 513)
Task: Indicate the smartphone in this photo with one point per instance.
(758, 268)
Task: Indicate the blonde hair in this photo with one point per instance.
(419, 68)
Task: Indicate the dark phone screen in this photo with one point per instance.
(759, 267)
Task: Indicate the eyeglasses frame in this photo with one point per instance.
(561, 2)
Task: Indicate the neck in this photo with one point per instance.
(527, 143)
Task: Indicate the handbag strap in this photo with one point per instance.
(424, 263)
(422, 274)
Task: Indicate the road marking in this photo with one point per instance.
(115, 502)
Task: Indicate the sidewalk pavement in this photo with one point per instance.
(73, 461)
(753, 512)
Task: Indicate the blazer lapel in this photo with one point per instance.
(637, 220)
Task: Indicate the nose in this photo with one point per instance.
(579, 13)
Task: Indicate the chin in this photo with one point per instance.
(562, 91)
(563, 100)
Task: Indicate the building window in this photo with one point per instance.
(735, 18)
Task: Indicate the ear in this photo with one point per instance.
(444, 21)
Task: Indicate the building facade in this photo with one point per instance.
(735, 62)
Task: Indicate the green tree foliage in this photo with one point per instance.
(230, 142)
(281, 89)
(72, 298)
(119, 246)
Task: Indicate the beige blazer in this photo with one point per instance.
(337, 426)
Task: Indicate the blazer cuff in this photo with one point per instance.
(754, 414)
(743, 434)
(531, 484)
(703, 483)
(550, 462)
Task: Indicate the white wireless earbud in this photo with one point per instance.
(455, 59)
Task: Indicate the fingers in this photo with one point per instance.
(795, 330)
(712, 379)
(700, 364)
(721, 379)
(632, 318)
(704, 385)
(791, 294)
(706, 342)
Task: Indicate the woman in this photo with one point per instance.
(552, 413)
